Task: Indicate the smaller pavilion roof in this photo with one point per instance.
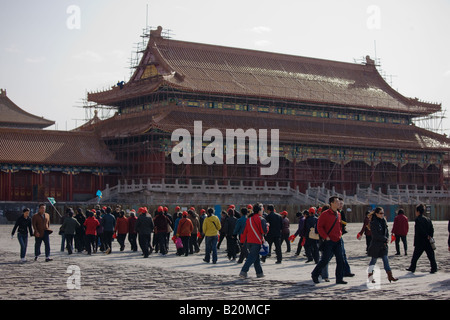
(12, 116)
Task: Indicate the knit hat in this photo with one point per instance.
(185, 213)
(284, 213)
(177, 208)
(312, 210)
(160, 209)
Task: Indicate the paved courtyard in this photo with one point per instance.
(128, 276)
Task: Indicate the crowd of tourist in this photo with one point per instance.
(249, 234)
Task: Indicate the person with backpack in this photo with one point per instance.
(255, 229)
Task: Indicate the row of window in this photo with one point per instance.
(309, 112)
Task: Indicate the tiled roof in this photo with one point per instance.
(211, 69)
(309, 131)
(13, 116)
(45, 147)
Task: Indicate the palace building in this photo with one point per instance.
(341, 126)
(36, 163)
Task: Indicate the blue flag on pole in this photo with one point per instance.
(99, 194)
(51, 200)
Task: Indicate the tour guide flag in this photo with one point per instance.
(99, 195)
(52, 202)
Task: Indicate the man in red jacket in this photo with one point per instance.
(400, 230)
(329, 228)
(255, 229)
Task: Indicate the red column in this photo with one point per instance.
(9, 186)
(294, 173)
(70, 186)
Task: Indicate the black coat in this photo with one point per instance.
(276, 224)
(380, 237)
(144, 225)
(423, 228)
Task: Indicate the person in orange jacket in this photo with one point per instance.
(184, 231)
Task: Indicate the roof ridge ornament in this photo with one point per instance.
(3, 92)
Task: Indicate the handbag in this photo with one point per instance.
(179, 243)
(432, 243)
(264, 251)
(312, 234)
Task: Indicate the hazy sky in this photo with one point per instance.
(53, 52)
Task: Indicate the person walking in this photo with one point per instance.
(80, 231)
(144, 228)
(255, 229)
(70, 226)
(273, 236)
(211, 229)
(121, 229)
(300, 231)
(238, 230)
(347, 270)
(222, 234)
(366, 231)
(193, 242)
(41, 226)
(201, 219)
(169, 228)
(311, 236)
(329, 228)
(100, 237)
(23, 227)
(285, 231)
(108, 224)
(184, 231)
(132, 235)
(400, 231)
(91, 224)
(379, 245)
(229, 225)
(162, 224)
(423, 233)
